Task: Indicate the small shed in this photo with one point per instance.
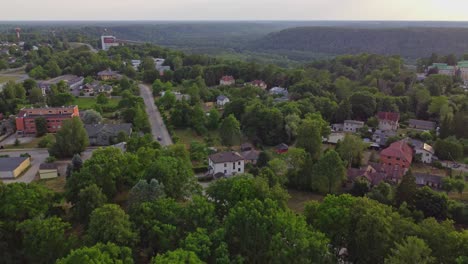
(282, 148)
(48, 171)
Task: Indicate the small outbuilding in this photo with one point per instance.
(13, 167)
(48, 171)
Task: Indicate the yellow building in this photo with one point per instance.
(13, 167)
(48, 171)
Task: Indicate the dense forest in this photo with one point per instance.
(406, 42)
(281, 43)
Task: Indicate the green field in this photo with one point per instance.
(186, 136)
(85, 103)
(4, 79)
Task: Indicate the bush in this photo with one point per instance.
(46, 141)
(50, 159)
(25, 155)
(17, 142)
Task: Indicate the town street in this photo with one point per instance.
(158, 129)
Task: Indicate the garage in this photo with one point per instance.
(13, 167)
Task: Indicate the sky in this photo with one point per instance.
(445, 10)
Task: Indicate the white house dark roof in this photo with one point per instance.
(221, 98)
(9, 164)
(222, 157)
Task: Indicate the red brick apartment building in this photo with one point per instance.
(398, 153)
(25, 121)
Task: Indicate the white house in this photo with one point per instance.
(225, 164)
(227, 80)
(388, 121)
(222, 100)
(352, 125)
(424, 150)
(136, 64)
(278, 91)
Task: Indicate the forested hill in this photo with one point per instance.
(409, 43)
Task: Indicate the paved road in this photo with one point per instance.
(38, 156)
(158, 129)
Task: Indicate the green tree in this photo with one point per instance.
(145, 192)
(351, 150)
(100, 253)
(406, 189)
(178, 256)
(252, 221)
(89, 198)
(45, 240)
(411, 250)
(91, 117)
(198, 151)
(174, 173)
(212, 122)
(70, 139)
(41, 126)
(35, 96)
(198, 242)
(328, 173)
(102, 99)
(309, 138)
(363, 105)
(110, 223)
(230, 131)
(448, 149)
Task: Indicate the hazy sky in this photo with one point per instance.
(234, 10)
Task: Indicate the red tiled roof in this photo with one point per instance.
(258, 82)
(390, 116)
(399, 149)
(227, 78)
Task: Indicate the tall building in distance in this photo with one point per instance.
(108, 41)
(25, 120)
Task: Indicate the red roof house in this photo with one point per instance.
(259, 83)
(388, 120)
(227, 80)
(398, 153)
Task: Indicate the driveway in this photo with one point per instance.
(158, 129)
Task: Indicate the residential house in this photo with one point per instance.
(227, 80)
(108, 75)
(246, 146)
(421, 124)
(225, 164)
(444, 69)
(221, 100)
(388, 121)
(48, 171)
(375, 173)
(424, 150)
(380, 137)
(258, 83)
(135, 64)
(13, 167)
(338, 127)
(281, 148)
(159, 65)
(249, 153)
(280, 91)
(352, 125)
(25, 120)
(426, 179)
(106, 134)
(334, 138)
(462, 70)
(71, 81)
(398, 153)
(105, 89)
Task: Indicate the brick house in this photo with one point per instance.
(25, 121)
(398, 153)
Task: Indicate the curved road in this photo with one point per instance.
(158, 129)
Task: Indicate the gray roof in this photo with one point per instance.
(94, 130)
(423, 178)
(250, 154)
(221, 98)
(222, 157)
(48, 166)
(422, 124)
(9, 164)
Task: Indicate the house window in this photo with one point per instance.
(225, 165)
(389, 157)
(238, 169)
(390, 164)
(238, 163)
(397, 158)
(225, 171)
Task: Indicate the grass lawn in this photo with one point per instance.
(32, 144)
(298, 199)
(85, 103)
(186, 136)
(4, 79)
(56, 184)
(423, 168)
